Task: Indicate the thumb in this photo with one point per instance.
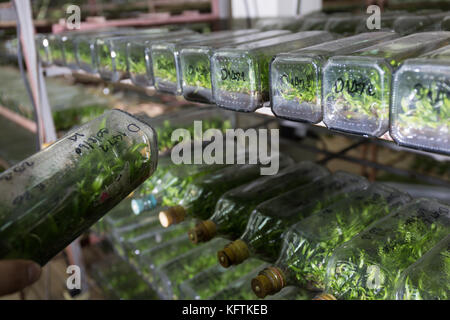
(17, 274)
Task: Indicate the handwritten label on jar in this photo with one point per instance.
(435, 94)
(354, 86)
(102, 139)
(228, 74)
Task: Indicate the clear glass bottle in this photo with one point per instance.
(112, 58)
(429, 277)
(214, 279)
(262, 237)
(196, 66)
(139, 60)
(420, 108)
(316, 22)
(240, 75)
(409, 24)
(233, 209)
(201, 195)
(368, 266)
(50, 198)
(308, 244)
(165, 56)
(357, 87)
(296, 77)
(172, 273)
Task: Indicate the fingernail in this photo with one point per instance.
(34, 271)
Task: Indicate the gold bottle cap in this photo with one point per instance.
(172, 215)
(234, 253)
(269, 281)
(324, 296)
(202, 232)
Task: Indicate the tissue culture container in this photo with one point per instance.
(296, 77)
(165, 56)
(196, 67)
(420, 110)
(86, 50)
(345, 25)
(240, 75)
(368, 266)
(357, 87)
(112, 53)
(429, 277)
(50, 198)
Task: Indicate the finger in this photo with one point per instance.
(17, 274)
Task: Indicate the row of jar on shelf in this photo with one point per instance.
(303, 227)
(367, 84)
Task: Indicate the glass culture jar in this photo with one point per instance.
(53, 196)
(171, 274)
(240, 75)
(420, 109)
(233, 209)
(296, 77)
(429, 277)
(86, 50)
(214, 279)
(196, 66)
(368, 266)
(262, 237)
(357, 87)
(308, 244)
(344, 25)
(139, 60)
(112, 53)
(165, 56)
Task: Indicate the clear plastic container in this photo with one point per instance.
(233, 209)
(171, 274)
(214, 279)
(357, 87)
(196, 66)
(165, 56)
(201, 195)
(112, 58)
(53, 196)
(409, 24)
(86, 50)
(262, 237)
(240, 75)
(139, 60)
(420, 109)
(296, 77)
(314, 23)
(308, 244)
(429, 277)
(368, 266)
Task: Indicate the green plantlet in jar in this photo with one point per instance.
(240, 75)
(308, 244)
(296, 77)
(429, 277)
(233, 209)
(53, 196)
(369, 266)
(262, 237)
(420, 110)
(357, 87)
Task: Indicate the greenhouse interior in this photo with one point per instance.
(277, 150)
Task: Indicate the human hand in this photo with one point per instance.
(17, 274)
